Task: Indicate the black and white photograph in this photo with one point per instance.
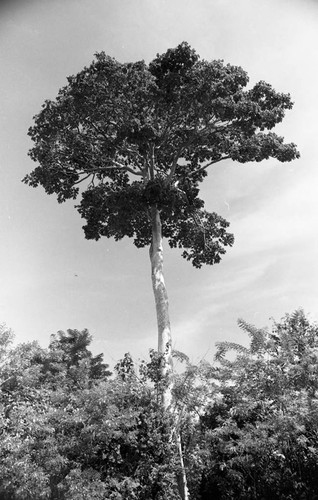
(158, 263)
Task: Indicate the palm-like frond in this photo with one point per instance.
(224, 347)
(257, 335)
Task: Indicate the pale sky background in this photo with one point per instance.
(272, 207)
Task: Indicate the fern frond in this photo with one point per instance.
(224, 347)
(257, 335)
(180, 356)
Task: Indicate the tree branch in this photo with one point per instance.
(126, 148)
(120, 166)
(211, 125)
(204, 167)
(83, 179)
(152, 161)
(174, 165)
(96, 170)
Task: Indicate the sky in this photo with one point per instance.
(52, 279)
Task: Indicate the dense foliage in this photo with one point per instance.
(262, 426)
(136, 141)
(143, 136)
(70, 432)
(249, 424)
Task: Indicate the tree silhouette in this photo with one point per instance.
(139, 138)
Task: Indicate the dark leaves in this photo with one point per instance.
(203, 237)
(162, 124)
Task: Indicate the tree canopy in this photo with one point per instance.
(248, 423)
(140, 135)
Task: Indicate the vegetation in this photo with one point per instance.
(249, 425)
(136, 141)
(139, 139)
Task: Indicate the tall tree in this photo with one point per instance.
(140, 138)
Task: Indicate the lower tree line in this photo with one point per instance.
(248, 423)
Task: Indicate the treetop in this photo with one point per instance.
(138, 135)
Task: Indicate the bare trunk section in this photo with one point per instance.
(161, 300)
(182, 477)
(164, 331)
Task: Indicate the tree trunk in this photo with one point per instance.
(164, 331)
(162, 304)
(181, 477)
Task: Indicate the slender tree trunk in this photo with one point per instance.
(162, 304)
(182, 477)
(164, 331)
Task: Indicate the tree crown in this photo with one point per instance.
(141, 135)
